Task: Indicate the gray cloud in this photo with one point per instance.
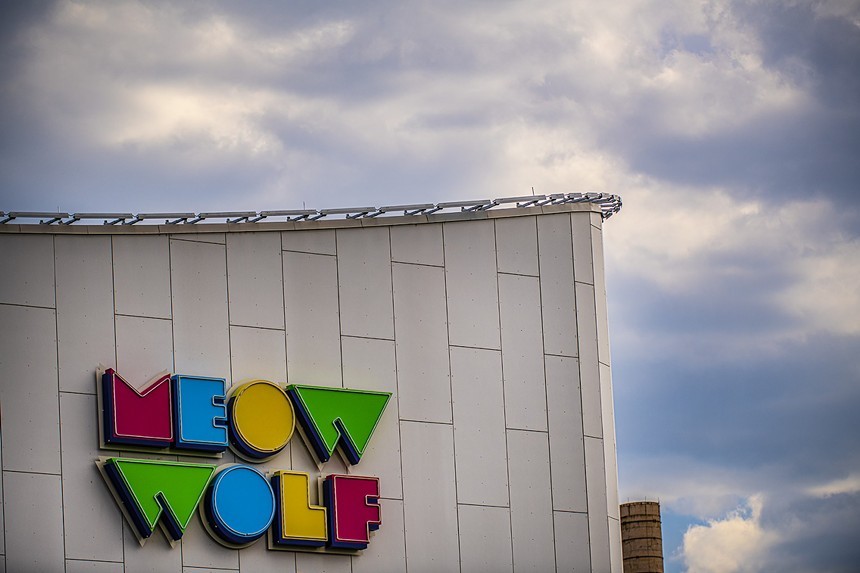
(808, 148)
(818, 534)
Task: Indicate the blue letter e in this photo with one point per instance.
(200, 413)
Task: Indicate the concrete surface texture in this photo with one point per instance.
(641, 537)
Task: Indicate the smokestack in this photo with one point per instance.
(641, 537)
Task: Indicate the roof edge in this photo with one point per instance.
(606, 204)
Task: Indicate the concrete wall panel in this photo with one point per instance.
(421, 244)
(93, 522)
(429, 497)
(200, 325)
(258, 353)
(558, 303)
(421, 323)
(313, 563)
(364, 282)
(571, 542)
(522, 352)
(2, 520)
(368, 364)
(531, 501)
(29, 407)
(387, 550)
(141, 275)
(583, 257)
(144, 347)
(592, 419)
(254, 278)
(470, 277)
(479, 426)
(315, 242)
(156, 556)
(85, 310)
(28, 270)
(600, 297)
(609, 442)
(485, 538)
(200, 550)
(77, 566)
(34, 512)
(598, 526)
(258, 557)
(203, 237)
(567, 450)
(615, 551)
(313, 319)
(516, 241)
(302, 460)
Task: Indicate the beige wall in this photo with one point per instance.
(498, 452)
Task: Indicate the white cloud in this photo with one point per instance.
(846, 485)
(791, 258)
(158, 115)
(827, 279)
(703, 489)
(527, 92)
(833, 8)
(736, 543)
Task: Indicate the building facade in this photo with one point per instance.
(488, 329)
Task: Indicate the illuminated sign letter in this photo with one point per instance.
(200, 415)
(332, 416)
(240, 505)
(136, 417)
(353, 503)
(150, 491)
(298, 522)
(261, 419)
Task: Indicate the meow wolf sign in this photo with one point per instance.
(238, 504)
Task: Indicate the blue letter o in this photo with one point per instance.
(240, 504)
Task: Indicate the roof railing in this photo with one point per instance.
(609, 205)
(49, 217)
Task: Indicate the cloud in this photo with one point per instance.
(734, 544)
(783, 79)
(319, 103)
(846, 485)
(791, 259)
(734, 320)
(814, 533)
(730, 128)
(791, 532)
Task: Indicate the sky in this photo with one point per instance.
(730, 129)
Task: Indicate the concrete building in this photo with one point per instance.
(641, 537)
(487, 327)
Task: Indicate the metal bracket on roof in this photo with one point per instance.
(523, 201)
(551, 199)
(412, 209)
(463, 205)
(609, 205)
(177, 217)
(118, 218)
(51, 218)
